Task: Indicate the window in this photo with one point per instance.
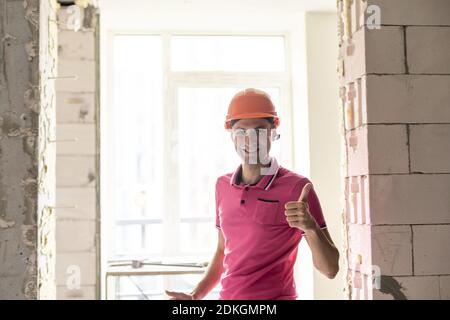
(170, 94)
(227, 53)
(138, 129)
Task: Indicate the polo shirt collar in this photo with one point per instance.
(266, 181)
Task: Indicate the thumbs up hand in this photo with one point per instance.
(297, 212)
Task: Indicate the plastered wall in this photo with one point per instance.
(28, 65)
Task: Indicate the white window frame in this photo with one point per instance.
(172, 81)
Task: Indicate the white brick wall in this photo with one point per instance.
(384, 50)
(444, 287)
(414, 12)
(75, 171)
(354, 57)
(431, 252)
(359, 244)
(75, 107)
(410, 199)
(395, 90)
(388, 149)
(75, 235)
(357, 200)
(76, 45)
(77, 139)
(428, 49)
(83, 70)
(83, 293)
(83, 200)
(84, 262)
(413, 288)
(392, 249)
(76, 164)
(407, 98)
(430, 148)
(420, 287)
(387, 145)
(365, 53)
(357, 148)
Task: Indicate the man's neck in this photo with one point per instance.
(251, 173)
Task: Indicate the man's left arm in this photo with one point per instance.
(324, 252)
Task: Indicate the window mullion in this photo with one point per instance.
(170, 222)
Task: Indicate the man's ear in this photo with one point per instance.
(276, 122)
(274, 135)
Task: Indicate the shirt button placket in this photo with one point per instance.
(244, 194)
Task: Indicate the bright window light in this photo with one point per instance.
(138, 128)
(227, 53)
(169, 144)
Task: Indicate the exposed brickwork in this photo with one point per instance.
(395, 84)
(76, 169)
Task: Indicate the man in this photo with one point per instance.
(262, 212)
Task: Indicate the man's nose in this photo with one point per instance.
(251, 135)
(251, 139)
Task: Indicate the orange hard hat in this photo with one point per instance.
(249, 104)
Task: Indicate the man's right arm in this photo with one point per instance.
(213, 273)
(211, 277)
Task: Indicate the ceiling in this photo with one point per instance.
(247, 6)
(218, 15)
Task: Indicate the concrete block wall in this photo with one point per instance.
(76, 167)
(28, 65)
(395, 96)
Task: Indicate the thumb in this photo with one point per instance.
(305, 192)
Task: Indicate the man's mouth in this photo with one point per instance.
(251, 151)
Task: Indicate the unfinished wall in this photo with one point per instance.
(27, 151)
(396, 104)
(76, 192)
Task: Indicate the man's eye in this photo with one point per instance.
(262, 131)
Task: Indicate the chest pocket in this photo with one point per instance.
(268, 212)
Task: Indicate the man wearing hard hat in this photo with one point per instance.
(262, 212)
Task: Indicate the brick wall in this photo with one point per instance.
(76, 183)
(395, 96)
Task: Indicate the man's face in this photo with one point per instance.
(252, 140)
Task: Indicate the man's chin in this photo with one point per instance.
(254, 159)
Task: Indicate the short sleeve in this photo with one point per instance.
(313, 201)
(217, 207)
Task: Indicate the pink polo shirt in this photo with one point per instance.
(260, 247)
